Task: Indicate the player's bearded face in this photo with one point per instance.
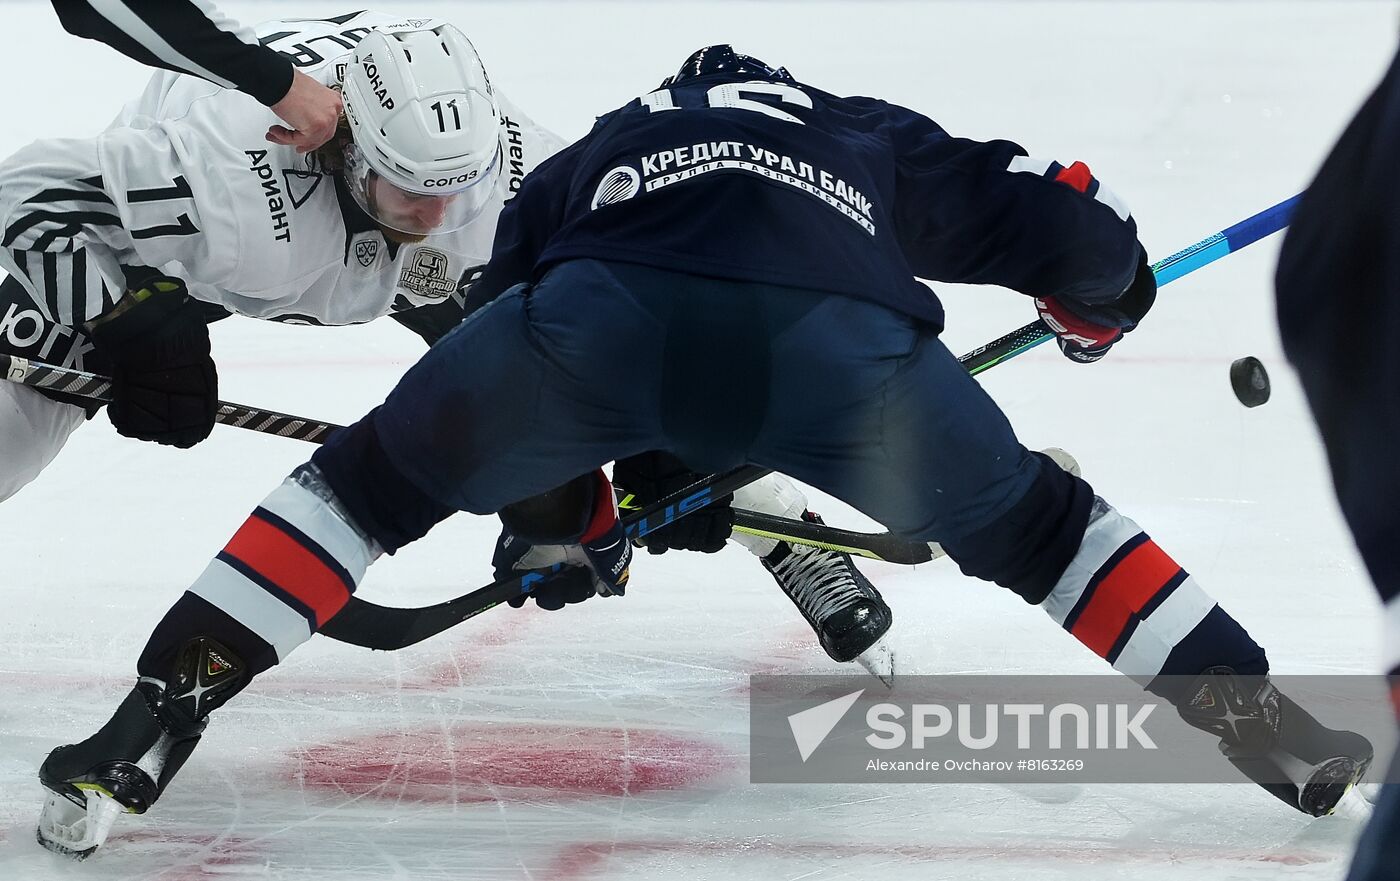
(407, 213)
(406, 217)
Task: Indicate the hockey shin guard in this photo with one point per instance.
(1133, 606)
(291, 566)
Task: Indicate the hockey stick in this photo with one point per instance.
(389, 628)
(884, 546)
(99, 388)
(1169, 269)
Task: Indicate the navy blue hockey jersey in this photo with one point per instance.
(774, 181)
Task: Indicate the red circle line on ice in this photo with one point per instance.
(476, 762)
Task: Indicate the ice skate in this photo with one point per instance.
(845, 610)
(1275, 742)
(127, 764)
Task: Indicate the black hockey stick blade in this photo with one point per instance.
(884, 546)
(99, 388)
(389, 628)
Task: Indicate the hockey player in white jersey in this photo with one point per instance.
(123, 242)
(122, 247)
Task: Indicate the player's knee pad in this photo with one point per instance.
(1027, 549)
(375, 493)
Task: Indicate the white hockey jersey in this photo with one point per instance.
(184, 181)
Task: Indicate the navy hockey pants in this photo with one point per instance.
(602, 361)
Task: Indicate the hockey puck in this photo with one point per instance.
(1250, 381)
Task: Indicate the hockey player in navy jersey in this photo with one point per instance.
(725, 269)
(120, 248)
(1339, 310)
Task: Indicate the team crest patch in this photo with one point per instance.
(426, 275)
(366, 251)
(618, 185)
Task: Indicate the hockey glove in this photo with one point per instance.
(596, 564)
(164, 384)
(1086, 331)
(649, 477)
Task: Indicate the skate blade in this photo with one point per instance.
(878, 660)
(1332, 785)
(76, 832)
(1354, 806)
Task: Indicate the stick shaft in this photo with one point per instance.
(389, 627)
(99, 388)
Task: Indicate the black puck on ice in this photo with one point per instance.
(1250, 381)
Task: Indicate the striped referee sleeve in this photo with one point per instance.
(186, 36)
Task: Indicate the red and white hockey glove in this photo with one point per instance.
(1080, 339)
(1086, 331)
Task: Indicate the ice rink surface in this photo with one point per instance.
(610, 741)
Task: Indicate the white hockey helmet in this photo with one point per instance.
(426, 150)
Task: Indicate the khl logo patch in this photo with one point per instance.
(366, 250)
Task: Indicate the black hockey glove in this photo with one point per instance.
(1086, 331)
(164, 384)
(644, 479)
(596, 562)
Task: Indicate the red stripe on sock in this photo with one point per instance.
(285, 562)
(1077, 176)
(1121, 594)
